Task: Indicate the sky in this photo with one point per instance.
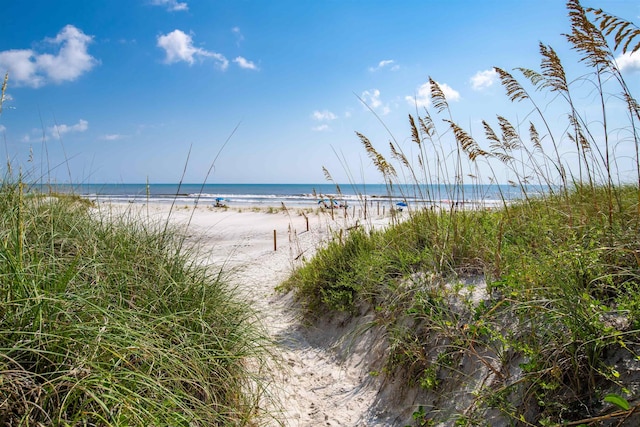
(256, 91)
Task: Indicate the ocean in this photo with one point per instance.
(294, 195)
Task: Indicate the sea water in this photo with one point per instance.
(297, 195)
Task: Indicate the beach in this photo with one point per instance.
(313, 380)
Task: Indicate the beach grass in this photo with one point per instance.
(107, 320)
(527, 314)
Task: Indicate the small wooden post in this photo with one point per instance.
(275, 246)
(378, 207)
(307, 219)
(365, 210)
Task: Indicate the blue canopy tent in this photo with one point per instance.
(331, 203)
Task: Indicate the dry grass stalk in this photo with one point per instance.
(552, 69)
(437, 96)
(625, 31)
(384, 167)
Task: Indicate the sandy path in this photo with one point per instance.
(313, 386)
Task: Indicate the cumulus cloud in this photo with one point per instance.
(422, 98)
(629, 61)
(386, 63)
(372, 99)
(450, 93)
(324, 115)
(321, 128)
(178, 46)
(244, 63)
(171, 5)
(30, 68)
(484, 79)
(58, 131)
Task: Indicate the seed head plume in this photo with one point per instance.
(397, 154)
(466, 142)
(515, 91)
(437, 96)
(329, 178)
(3, 90)
(491, 135)
(579, 134)
(415, 135)
(327, 175)
(552, 70)
(625, 31)
(587, 38)
(634, 107)
(510, 136)
(497, 147)
(533, 76)
(384, 167)
(426, 125)
(535, 137)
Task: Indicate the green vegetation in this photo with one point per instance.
(530, 312)
(108, 321)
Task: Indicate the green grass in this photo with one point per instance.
(108, 321)
(531, 310)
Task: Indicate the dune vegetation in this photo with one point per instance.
(109, 321)
(524, 315)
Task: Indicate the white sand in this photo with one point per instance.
(314, 384)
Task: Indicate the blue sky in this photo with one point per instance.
(123, 90)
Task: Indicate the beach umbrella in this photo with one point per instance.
(401, 204)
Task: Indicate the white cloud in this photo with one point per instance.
(58, 131)
(2, 128)
(171, 5)
(30, 68)
(244, 63)
(629, 61)
(324, 115)
(422, 98)
(239, 37)
(386, 63)
(112, 137)
(178, 46)
(372, 99)
(450, 93)
(321, 128)
(21, 66)
(484, 79)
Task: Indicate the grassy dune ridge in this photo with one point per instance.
(526, 315)
(108, 321)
